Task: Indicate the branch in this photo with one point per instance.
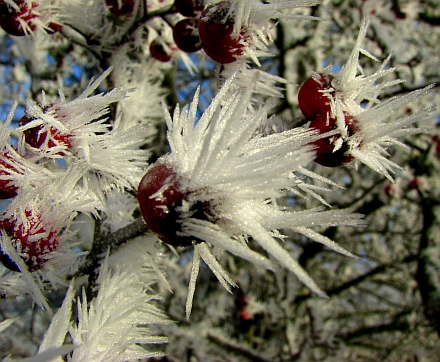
(104, 242)
(398, 323)
(427, 287)
(238, 348)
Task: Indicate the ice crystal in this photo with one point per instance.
(253, 18)
(114, 326)
(238, 176)
(357, 94)
(99, 148)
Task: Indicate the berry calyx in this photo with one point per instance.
(120, 7)
(186, 35)
(161, 198)
(215, 31)
(314, 95)
(189, 8)
(158, 52)
(42, 138)
(32, 239)
(7, 188)
(325, 146)
(11, 19)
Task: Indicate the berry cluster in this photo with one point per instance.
(77, 134)
(209, 28)
(185, 32)
(315, 99)
(32, 233)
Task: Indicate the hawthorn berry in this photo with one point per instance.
(314, 95)
(389, 190)
(37, 137)
(7, 188)
(325, 146)
(11, 19)
(32, 239)
(161, 198)
(186, 35)
(215, 31)
(189, 8)
(414, 184)
(158, 52)
(120, 7)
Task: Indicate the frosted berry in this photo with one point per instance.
(189, 8)
(186, 35)
(7, 188)
(11, 19)
(120, 7)
(158, 52)
(215, 30)
(32, 239)
(36, 137)
(161, 197)
(311, 98)
(325, 146)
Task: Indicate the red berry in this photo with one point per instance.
(414, 184)
(215, 30)
(398, 13)
(389, 190)
(161, 197)
(311, 98)
(158, 52)
(32, 239)
(186, 35)
(189, 8)
(7, 188)
(325, 146)
(120, 7)
(36, 137)
(246, 315)
(10, 17)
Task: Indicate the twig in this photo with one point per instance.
(238, 348)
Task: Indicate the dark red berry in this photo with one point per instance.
(311, 98)
(398, 13)
(189, 8)
(186, 35)
(161, 197)
(158, 52)
(215, 31)
(7, 188)
(10, 18)
(325, 146)
(389, 190)
(120, 7)
(32, 239)
(414, 184)
(36, 136)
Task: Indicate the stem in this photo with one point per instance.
(238, 348)
(111, 242)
